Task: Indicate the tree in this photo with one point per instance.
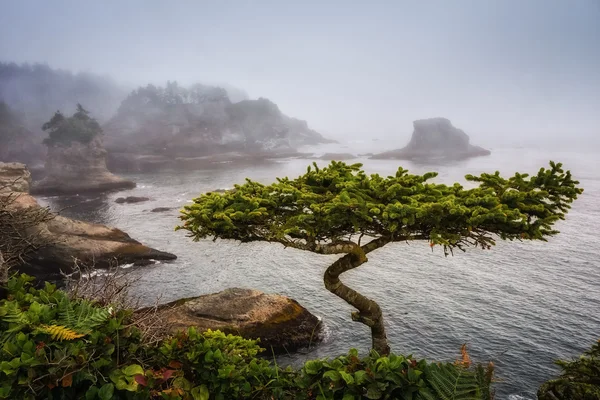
(342, 210)
(79, 127)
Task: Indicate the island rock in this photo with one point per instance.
(278, 321)
(78, 168)
(185, 128)
(435, 139)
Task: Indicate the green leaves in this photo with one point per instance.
(340, 201)
(393, 377)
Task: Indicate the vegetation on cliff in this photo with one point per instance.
(57, 346)
(342, 210)
(80, 127)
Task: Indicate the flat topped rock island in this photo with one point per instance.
(435, 139)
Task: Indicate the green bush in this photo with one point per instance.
(80, 127)
(57, 347)
(580, 378)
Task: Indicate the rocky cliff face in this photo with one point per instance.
(200, 121)
(435, 139)
(78, 168)
(67, 239)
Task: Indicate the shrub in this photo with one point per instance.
(580, 378)
(57, 347)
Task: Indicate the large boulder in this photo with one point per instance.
(278, 321)
(67, 240)
(78, 168)
(435, 139)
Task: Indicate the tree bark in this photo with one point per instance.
(369, 312)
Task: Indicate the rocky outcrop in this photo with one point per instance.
(435, 139)
(161, 209)
(279, 322)
(131, 199)
(180, 124)
(69, 240)
(78, 168)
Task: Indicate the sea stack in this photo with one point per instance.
(435, 139)
(76, 160)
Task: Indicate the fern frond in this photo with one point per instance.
(81, 315)
(58, 332)
(454, 382)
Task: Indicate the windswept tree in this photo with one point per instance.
(80, 127)
(342, 210)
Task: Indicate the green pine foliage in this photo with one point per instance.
(42, 360)
(341, 201)
(580, 378)
(80, 127)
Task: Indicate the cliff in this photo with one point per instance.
(435, 139)
(65, 240)
(200, 121)
(76, 159)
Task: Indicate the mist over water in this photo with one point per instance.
(520, 305)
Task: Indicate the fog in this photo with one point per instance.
(500, 70)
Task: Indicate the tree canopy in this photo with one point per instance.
(334, 210)
(79, 127)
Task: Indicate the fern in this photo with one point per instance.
(58, 332)
(455, 382)
(16, 319)
(81, 315)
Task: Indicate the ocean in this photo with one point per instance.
(520, 305)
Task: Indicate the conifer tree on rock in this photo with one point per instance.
(340, 209)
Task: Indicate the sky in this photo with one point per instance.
(495, 68)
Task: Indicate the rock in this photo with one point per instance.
(277, 320)
(435, 139)
(91, 244)
(337, 156)
(78, 168)
(177, 122)
(14, 177)
(161, 209)
(131, 199)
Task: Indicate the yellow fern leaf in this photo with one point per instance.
(59, 332)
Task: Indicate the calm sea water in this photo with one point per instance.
(521, 305)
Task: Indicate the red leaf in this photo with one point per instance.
(175, 364)
(141, 380)
(168, 373)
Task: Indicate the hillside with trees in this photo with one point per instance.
(199, 120)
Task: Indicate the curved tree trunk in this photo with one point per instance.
(369, 312)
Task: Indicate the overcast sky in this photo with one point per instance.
(494, 67)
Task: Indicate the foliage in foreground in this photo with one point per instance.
(56, 347)
(580, 378)
(80, 127)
